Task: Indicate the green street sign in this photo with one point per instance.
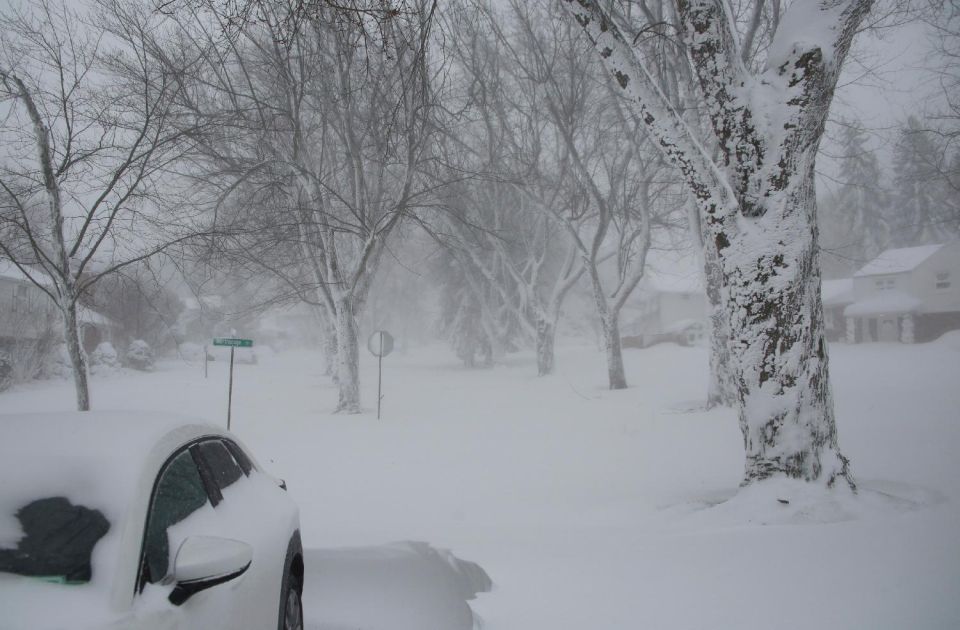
(233, 343)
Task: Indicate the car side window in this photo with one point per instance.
(178, 494)
(220, 462)
(240, 456)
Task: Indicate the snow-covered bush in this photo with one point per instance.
(104, 359)
(57, 363)
(140, 355)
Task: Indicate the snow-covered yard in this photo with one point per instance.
(589, 508)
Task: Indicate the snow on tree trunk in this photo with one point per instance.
(610, 333)
(758, 206)
(780, 360)
(610, 327)
(611, 341)
(329, 341)
(721, 389)
(348, 359)
(546, 335)
(59, 266)
(71, 336)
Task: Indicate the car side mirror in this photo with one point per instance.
(206, 561)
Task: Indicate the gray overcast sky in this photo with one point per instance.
(899, 84)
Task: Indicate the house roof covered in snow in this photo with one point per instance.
(883, 303)
(837, 292)
(899, 260)
(89, 316)
(11, 271)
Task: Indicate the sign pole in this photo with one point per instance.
(233, 345)
(379, 376)
(230, 389)
(379, 344)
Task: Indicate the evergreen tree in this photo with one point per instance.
(921, 211)
(861, 200)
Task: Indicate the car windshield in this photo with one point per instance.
(57, 542)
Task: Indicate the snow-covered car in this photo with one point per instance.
(132, 520)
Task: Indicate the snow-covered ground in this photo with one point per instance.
(589, 508)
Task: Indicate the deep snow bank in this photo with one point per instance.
(402, 586)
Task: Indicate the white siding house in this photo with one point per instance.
(24, 309)
(27, 314)
(910, 294)
(837, 296)
(670, 305)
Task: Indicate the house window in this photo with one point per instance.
(943, 280)
(884, 284)
(20, 295)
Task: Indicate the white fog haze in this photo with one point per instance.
(479, 314)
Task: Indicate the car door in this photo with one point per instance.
(248, 511)
(180, 496)
(199, 493)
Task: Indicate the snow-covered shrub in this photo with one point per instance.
(140, 355)
(104, 359)
(57, 363)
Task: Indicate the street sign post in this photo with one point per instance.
(233, 344)
(380, 345)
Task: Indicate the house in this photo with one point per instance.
(909, 294)
(28, 315)
(670, 305)
(26, 312)
(837, 296)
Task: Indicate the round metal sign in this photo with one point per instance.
(380, 343)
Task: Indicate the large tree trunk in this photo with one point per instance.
(328, 333)
(721, 389)
(610, 330)
(758, 208)
(71, 336)
(610, 324)
(348, 358)
(780, 364)
(546, 337)
(330, 352)
(326, 324)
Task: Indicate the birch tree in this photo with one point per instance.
(327, 118)
(758, 206)
(622, 178)
(86, 134)
(505, 228)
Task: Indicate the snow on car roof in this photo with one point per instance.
(898, 260)
(93, 459)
